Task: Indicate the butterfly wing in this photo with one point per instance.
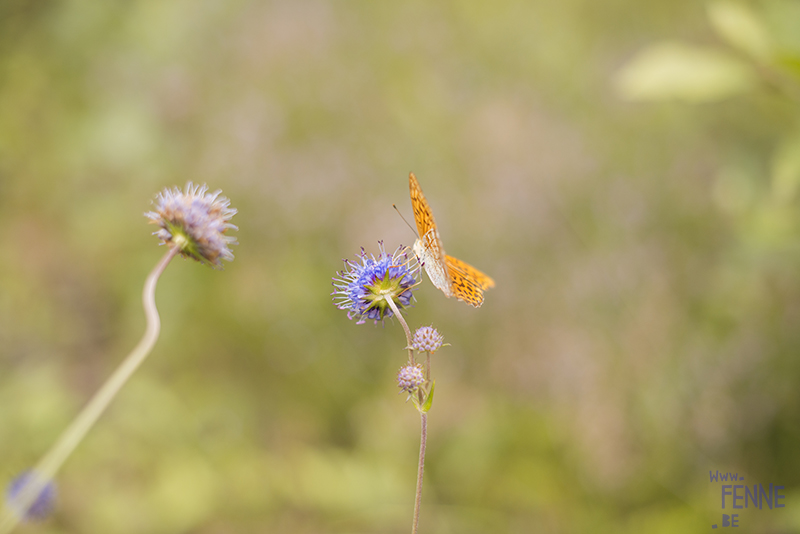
(467, 283)
(451, 275)
(422, 211)
(428, 248)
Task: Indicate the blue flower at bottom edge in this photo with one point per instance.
(41, 506)
(362, 288)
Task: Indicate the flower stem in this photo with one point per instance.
(47, 467)
(428, 368)
(423, 440)
(402, 320)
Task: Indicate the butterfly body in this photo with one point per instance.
(425, 249)
(452, 276)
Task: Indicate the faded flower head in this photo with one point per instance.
(363, 288)
(41, 506)
(410, 378)
(427, 339)
(195, 221)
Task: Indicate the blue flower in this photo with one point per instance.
(195, 222)
(41, 506)
(363, 288)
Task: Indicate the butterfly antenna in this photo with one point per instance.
(405, 221)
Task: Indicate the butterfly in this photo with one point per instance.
(452, 276)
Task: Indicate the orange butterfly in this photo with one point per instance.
(452, 276)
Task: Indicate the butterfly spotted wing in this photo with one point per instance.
(466, 282)
(452, 276)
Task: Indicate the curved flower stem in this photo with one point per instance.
(423, 440)
(47, 467)
(402, 320)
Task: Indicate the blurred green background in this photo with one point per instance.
(626, 171)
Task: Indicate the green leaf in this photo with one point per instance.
(741, 28)
(676, 71)
(428, 400)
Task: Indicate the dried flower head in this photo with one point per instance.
(195, 221)
(427, 339)
(41, 506)
(363, 288)
(410, 378)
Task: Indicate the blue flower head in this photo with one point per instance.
(195, 221)
(363, 288)
(41, 506)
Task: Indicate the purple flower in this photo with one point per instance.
(427, 339)
(195, 222)
(410, 378)
(363, 289)
(40, 507)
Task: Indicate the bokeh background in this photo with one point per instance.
(627, 171)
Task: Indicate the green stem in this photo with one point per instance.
(428, 369)
(49, 465)
(423, 440)
(402, 320)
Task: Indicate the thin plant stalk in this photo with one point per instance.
(49, 465)
(423, 440)
(402, 320)
(428, 367)
(423, 437)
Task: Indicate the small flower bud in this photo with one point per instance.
(40, 507)
(410, 378)
(427, 339)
